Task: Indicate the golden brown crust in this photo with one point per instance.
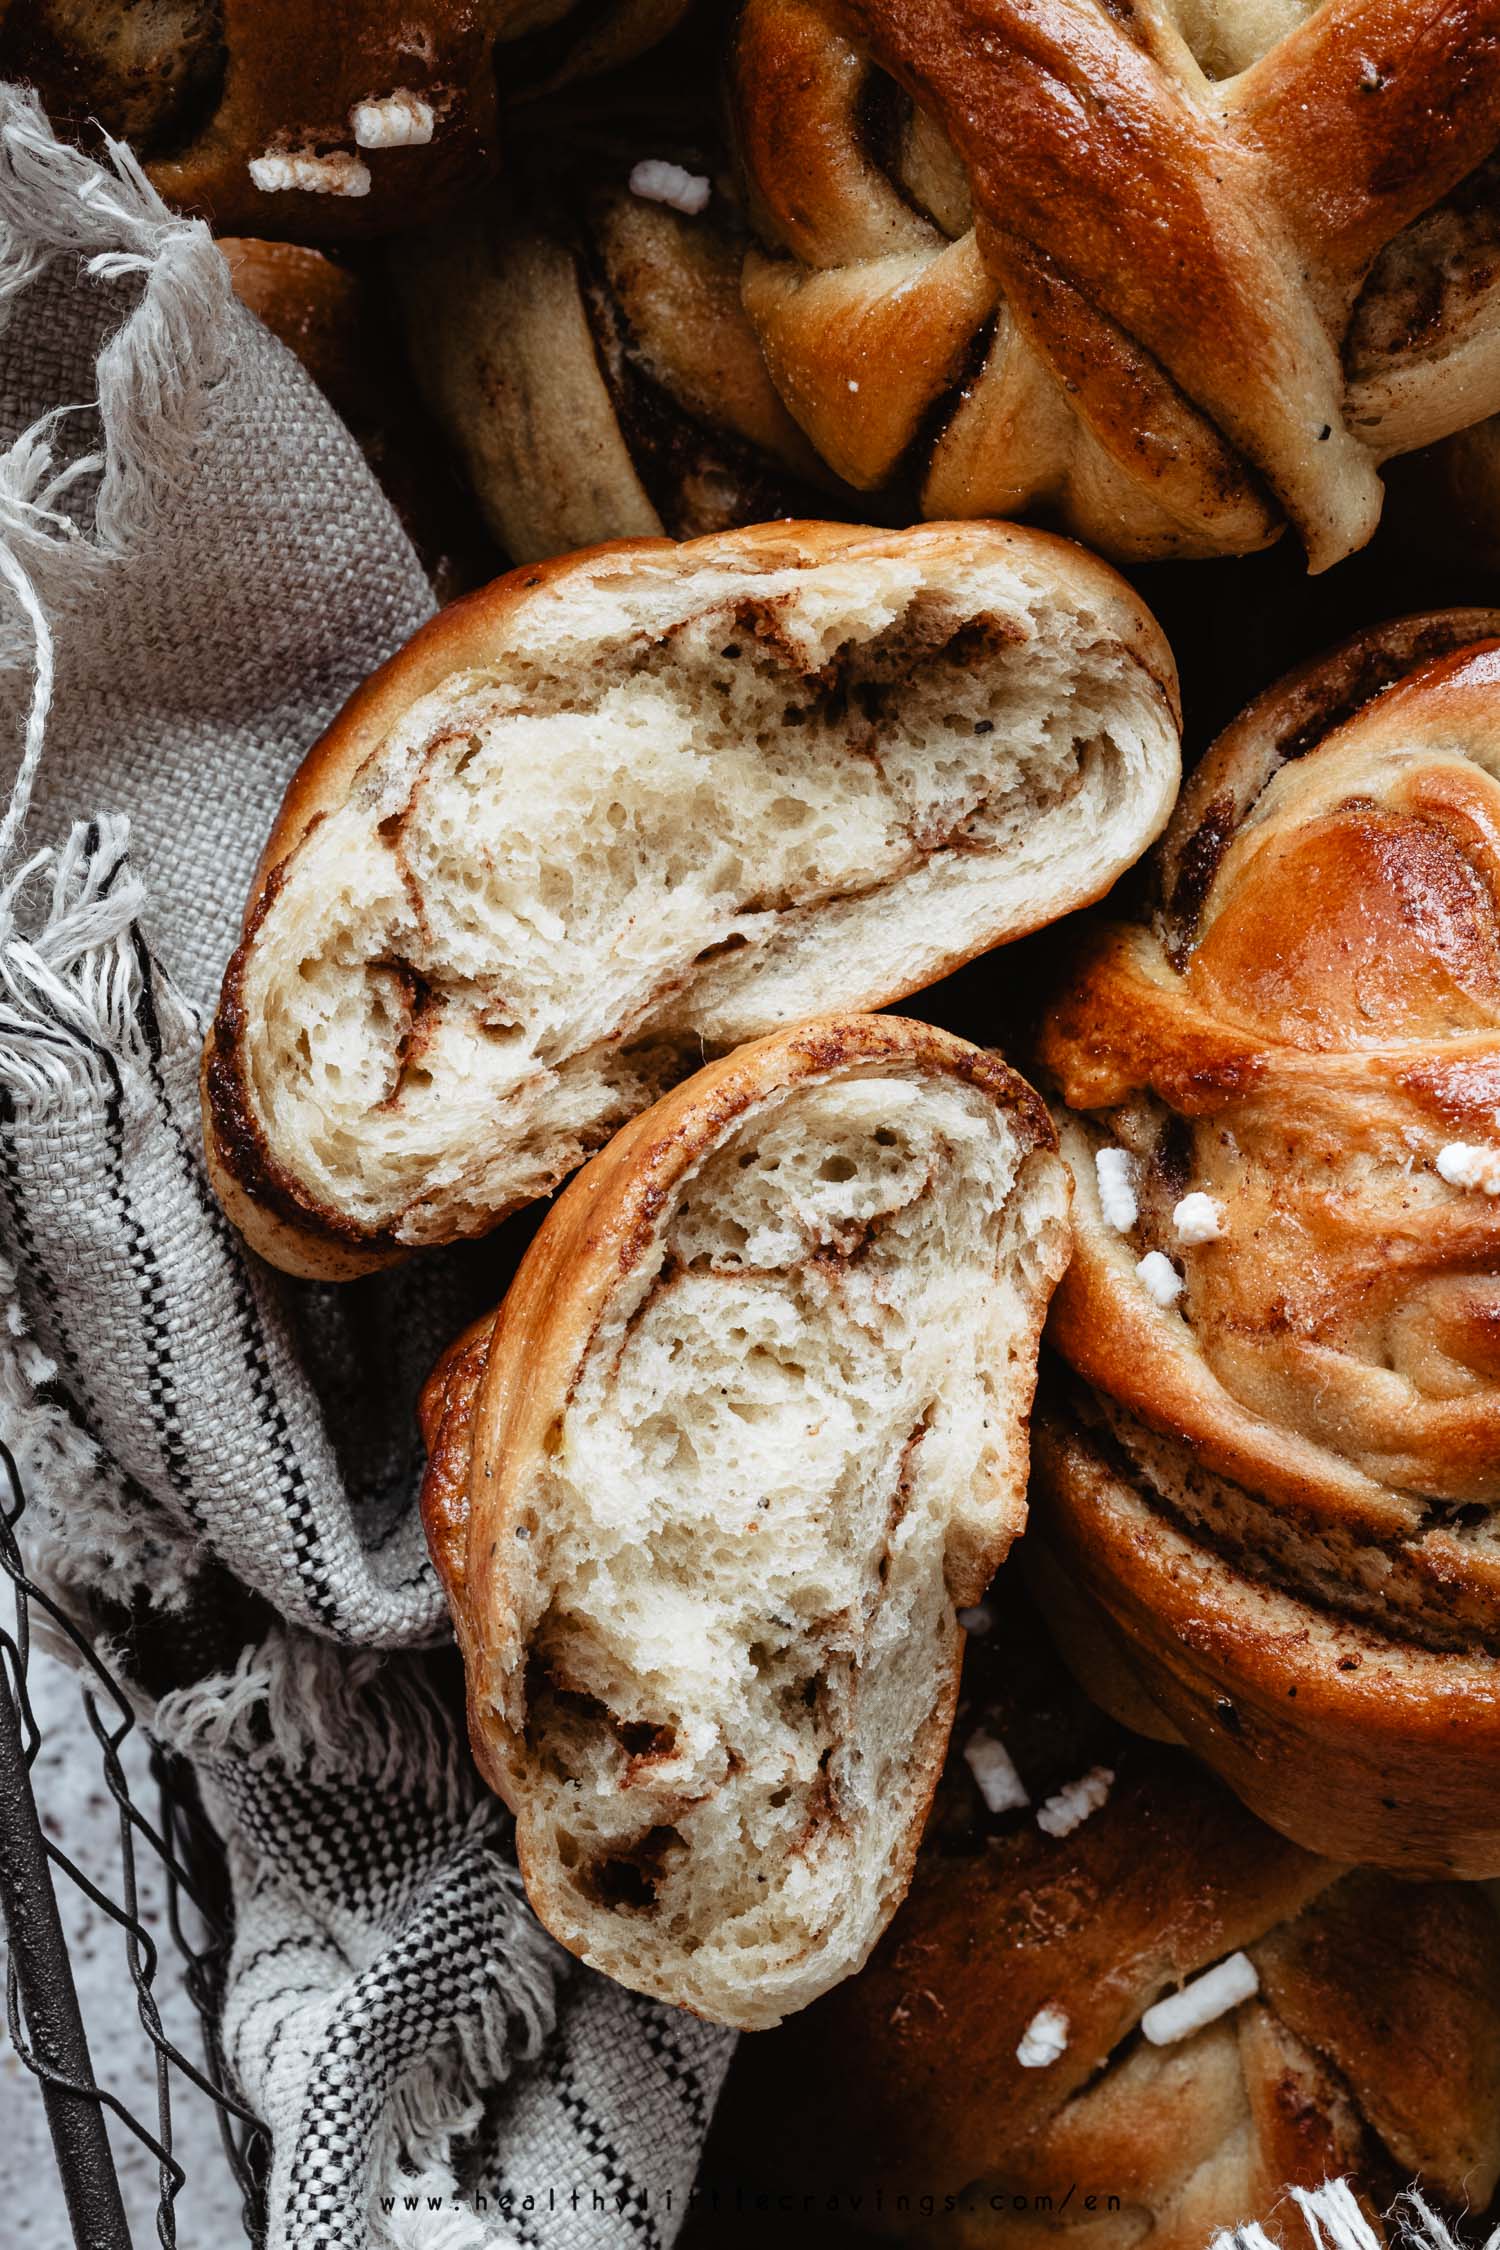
(1337, 1735)
(1140, 322)
(1282, 724)
(266, 1204)
(1378, 1970)
(446, 1417)
(1370, 2049)
(1285, 1503)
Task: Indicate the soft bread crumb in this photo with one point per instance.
(739, 1647)
(398, 120)
(1463, 1165)
(1072, 1806)
(1197, 1218)
(338, 174)
(1044, 2040)
(654, 180)
(1160, 1278)
(993, 1769)
(1203, 2001)
(685, 807)
(1114, 1169)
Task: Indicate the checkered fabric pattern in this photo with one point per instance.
(195, 569)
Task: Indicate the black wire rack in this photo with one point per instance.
(45, 2019)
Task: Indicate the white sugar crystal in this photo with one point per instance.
(1160, 1278)
(1044, 2039)
(1464, 1166)
(1071, 1807)
(1113, 1168)
(1197, 1218)
(989, 1762)
(339, 174)
(977, 1620)
(1203, 2001)
(398, 120)
(656, 181)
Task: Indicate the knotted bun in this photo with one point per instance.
(1369, 2048)
(585, 346)
(1274, 1507)
(1176, 276)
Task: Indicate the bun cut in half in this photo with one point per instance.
(619, 811)
(749, 1427)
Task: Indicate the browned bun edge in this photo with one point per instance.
(1362, 1746)
(1284, 722)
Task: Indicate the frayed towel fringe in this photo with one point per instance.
(326, 1714)
(1416, 2226)
(153, 378)
(427, 2115)
(1332, 2220)
(80, 996)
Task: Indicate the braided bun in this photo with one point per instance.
(1176, 281)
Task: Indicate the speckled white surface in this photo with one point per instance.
(78, 1812)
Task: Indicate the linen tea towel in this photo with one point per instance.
(195, 569)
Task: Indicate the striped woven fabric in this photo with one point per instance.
(195, 568)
